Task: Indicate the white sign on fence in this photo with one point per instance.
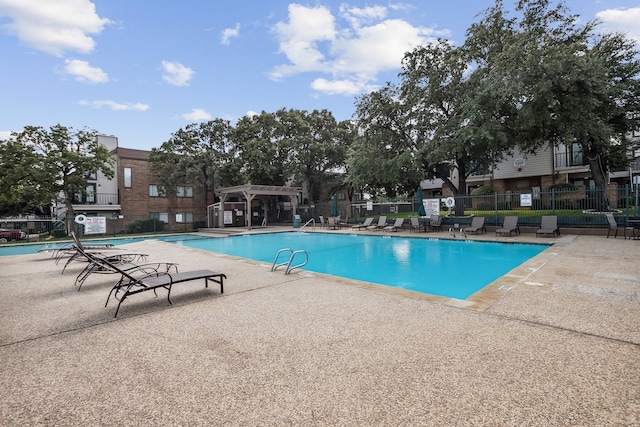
(431, 206)
(525, 200)
(95, 225)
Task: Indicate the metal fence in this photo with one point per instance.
(574, 208)
(42, 228)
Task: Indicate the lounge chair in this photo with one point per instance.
(131, 284)
(395, 226)
(101, 264)
(367, 222)
(323, 223)
(548, 225)
(415, 224)
(509, 225)
(613, 225)
(110, 253)
(477, 225)
(435, 222)
(382, 222)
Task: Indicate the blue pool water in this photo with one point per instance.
(24, 249)
(448, 268)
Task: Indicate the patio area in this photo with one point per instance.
(557, 344)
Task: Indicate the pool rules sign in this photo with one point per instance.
(92, 224)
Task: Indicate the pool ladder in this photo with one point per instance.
(287, 263)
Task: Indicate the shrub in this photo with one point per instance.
(483, 190)
(58, 233)
(145, 226)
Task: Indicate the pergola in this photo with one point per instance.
(249, 192)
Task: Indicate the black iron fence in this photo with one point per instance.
(580, 208)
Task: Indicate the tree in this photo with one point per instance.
(568, 85)
(66, 158)
(200, 153)
(383, 158)
(435, 120)
(318, 145)
(24, 185)
(264, 149)
(454, 114)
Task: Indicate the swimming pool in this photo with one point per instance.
(448, 268)
(24, 249)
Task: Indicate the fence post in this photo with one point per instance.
(553, 200)
(627, 204)
(495, 205)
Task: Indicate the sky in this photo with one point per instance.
(141, 71)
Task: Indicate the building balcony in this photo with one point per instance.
(96, 202)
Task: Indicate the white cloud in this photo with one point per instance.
(299, 39)
(358, 16)
(176, 74)
(116, 106)
(623, 21)
(229, 33)
(5, 135)
(340, 87)
(54, 26)
(197, 115)
(83, 72)
(351, 55)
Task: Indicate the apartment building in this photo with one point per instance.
(522, 172)
(134, 194)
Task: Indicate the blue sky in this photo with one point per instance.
(142, 70)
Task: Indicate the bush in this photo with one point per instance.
(483, 190)
(58, 233)
(145, 226)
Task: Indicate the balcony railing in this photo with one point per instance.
(96, 199)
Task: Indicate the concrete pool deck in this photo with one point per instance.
(554, 342)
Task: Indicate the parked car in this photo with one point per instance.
(7, 234)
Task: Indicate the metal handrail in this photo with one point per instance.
(287, 263)
(275, 266)
(307, 223)
(291, 267)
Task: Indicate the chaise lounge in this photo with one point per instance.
(382, 222)
(395, 226)
(548, 226)
(130, 284)
(477, 225)
(509, 225)
(367, 222)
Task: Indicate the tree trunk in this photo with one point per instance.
(601, 202)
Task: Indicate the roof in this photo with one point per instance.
(270, 190)
(131, 153)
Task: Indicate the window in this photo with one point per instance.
(87, 197)
(161, 216)
(184, 217)
(182, 191)
(127, 177)
(156, 191)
